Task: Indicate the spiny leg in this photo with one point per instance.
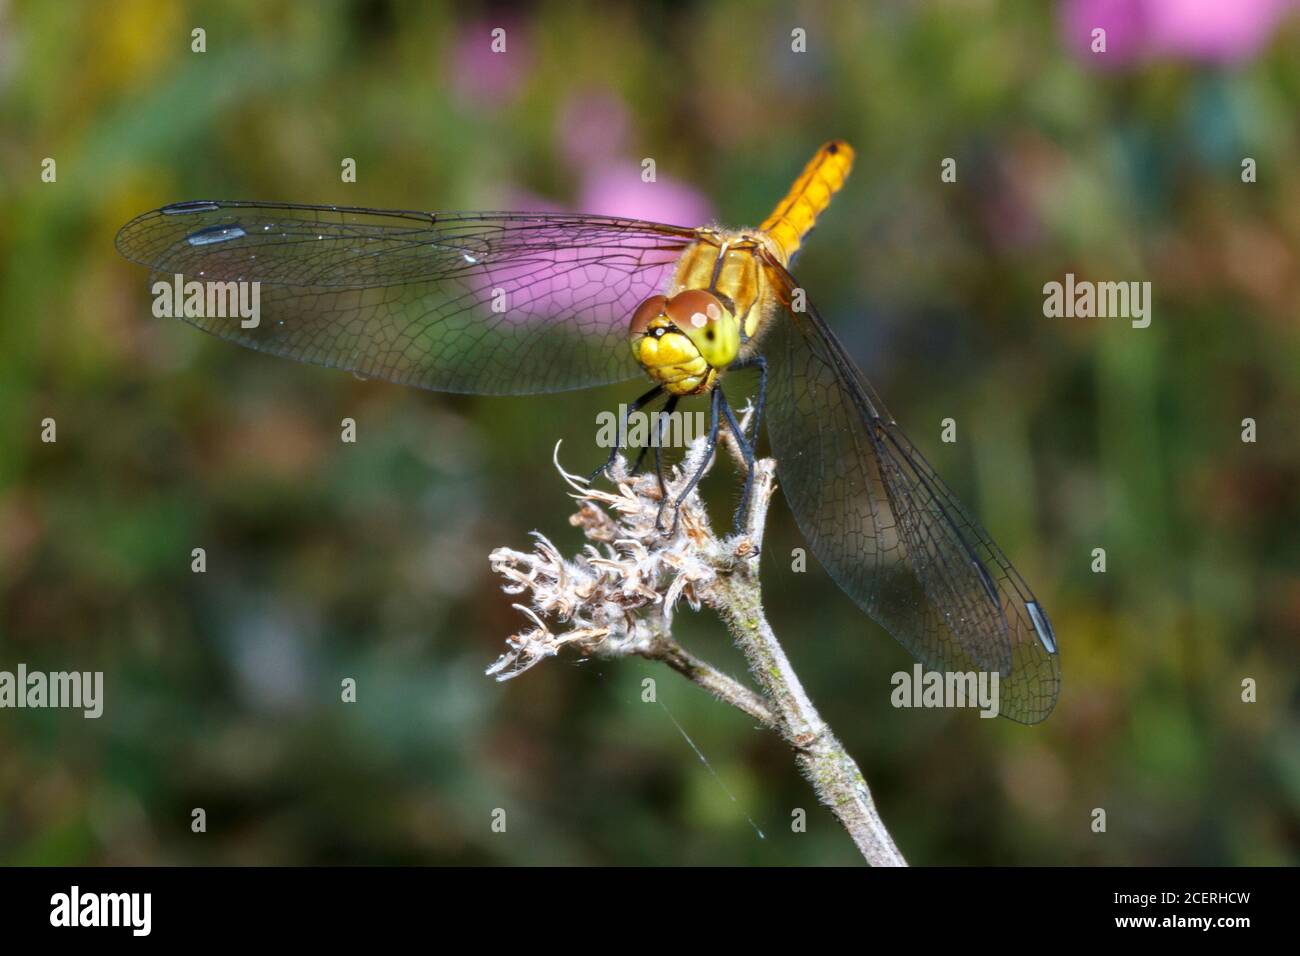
(714, 405)
(747, 453)
(759, 362)
(666, 410)
(640, 458)
(622, 430)
(669, 407)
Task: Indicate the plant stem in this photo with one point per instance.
(737, 597)
(632, 566)
(819, 754)
(703, 674)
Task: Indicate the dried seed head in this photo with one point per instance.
(612, 598)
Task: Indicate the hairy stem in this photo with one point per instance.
(737, 597)
(819, 754)
(703, 674)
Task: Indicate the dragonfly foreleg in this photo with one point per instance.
(746, 452)
(710, 447)
(669, 407)
(648, 397)
(657, 440)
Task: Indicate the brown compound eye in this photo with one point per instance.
(694, 309)
(646, 312)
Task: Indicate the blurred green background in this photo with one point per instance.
(369, 561)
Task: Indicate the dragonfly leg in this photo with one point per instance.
(746, 452)
(715, 405)
(655, 442)
(759, 362)
(640, 458)
(669, 407)
(649, 396)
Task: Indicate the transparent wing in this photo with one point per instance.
(490, 303)
(887, 528)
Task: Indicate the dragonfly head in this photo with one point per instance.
(684, 341)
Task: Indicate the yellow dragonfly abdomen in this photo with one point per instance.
(794, 216)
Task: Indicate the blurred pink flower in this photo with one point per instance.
(1225, 30)
(554, 285)
(592, 129)
(480, 75)
(524, 200)
(1123, 20)
(616, 189)
(1215, 31)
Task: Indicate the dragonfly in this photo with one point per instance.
(520, 303)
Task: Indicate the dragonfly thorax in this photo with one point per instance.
(683, 342)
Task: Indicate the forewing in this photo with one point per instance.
(887, 528)
(490, 303)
